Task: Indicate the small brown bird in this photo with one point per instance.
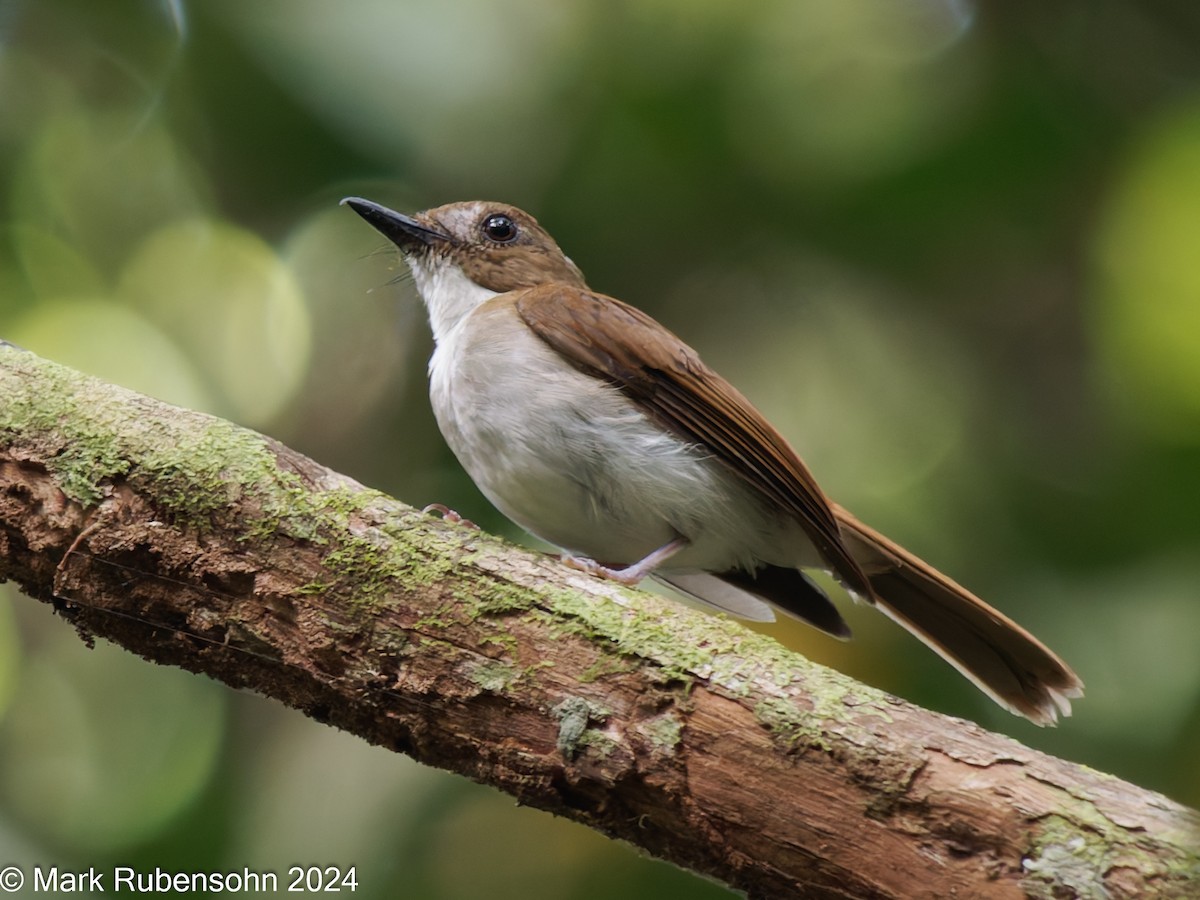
(595, 428)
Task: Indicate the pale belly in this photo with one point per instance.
(573, 461)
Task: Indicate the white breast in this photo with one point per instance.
(578, 464)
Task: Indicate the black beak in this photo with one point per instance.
(400, 229)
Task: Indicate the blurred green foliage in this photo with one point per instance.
(948, 246)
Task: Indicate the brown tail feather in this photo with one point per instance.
(1004, 660)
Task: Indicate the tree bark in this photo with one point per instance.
(195, 543)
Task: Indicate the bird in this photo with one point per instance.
(595, 428)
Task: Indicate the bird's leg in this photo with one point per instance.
(449, 515)
(630, 574)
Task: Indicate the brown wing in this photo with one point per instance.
(614, 341)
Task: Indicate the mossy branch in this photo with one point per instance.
(196, 543)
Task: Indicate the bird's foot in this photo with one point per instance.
(449, 515)
(629, 575)
(608, 573)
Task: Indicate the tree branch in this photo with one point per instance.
(195, 543)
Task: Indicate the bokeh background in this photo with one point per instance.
(952, 249)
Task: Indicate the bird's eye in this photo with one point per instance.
(500, 228)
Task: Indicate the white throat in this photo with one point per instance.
(449, 295)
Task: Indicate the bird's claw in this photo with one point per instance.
(621, 576)
(449, 515)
